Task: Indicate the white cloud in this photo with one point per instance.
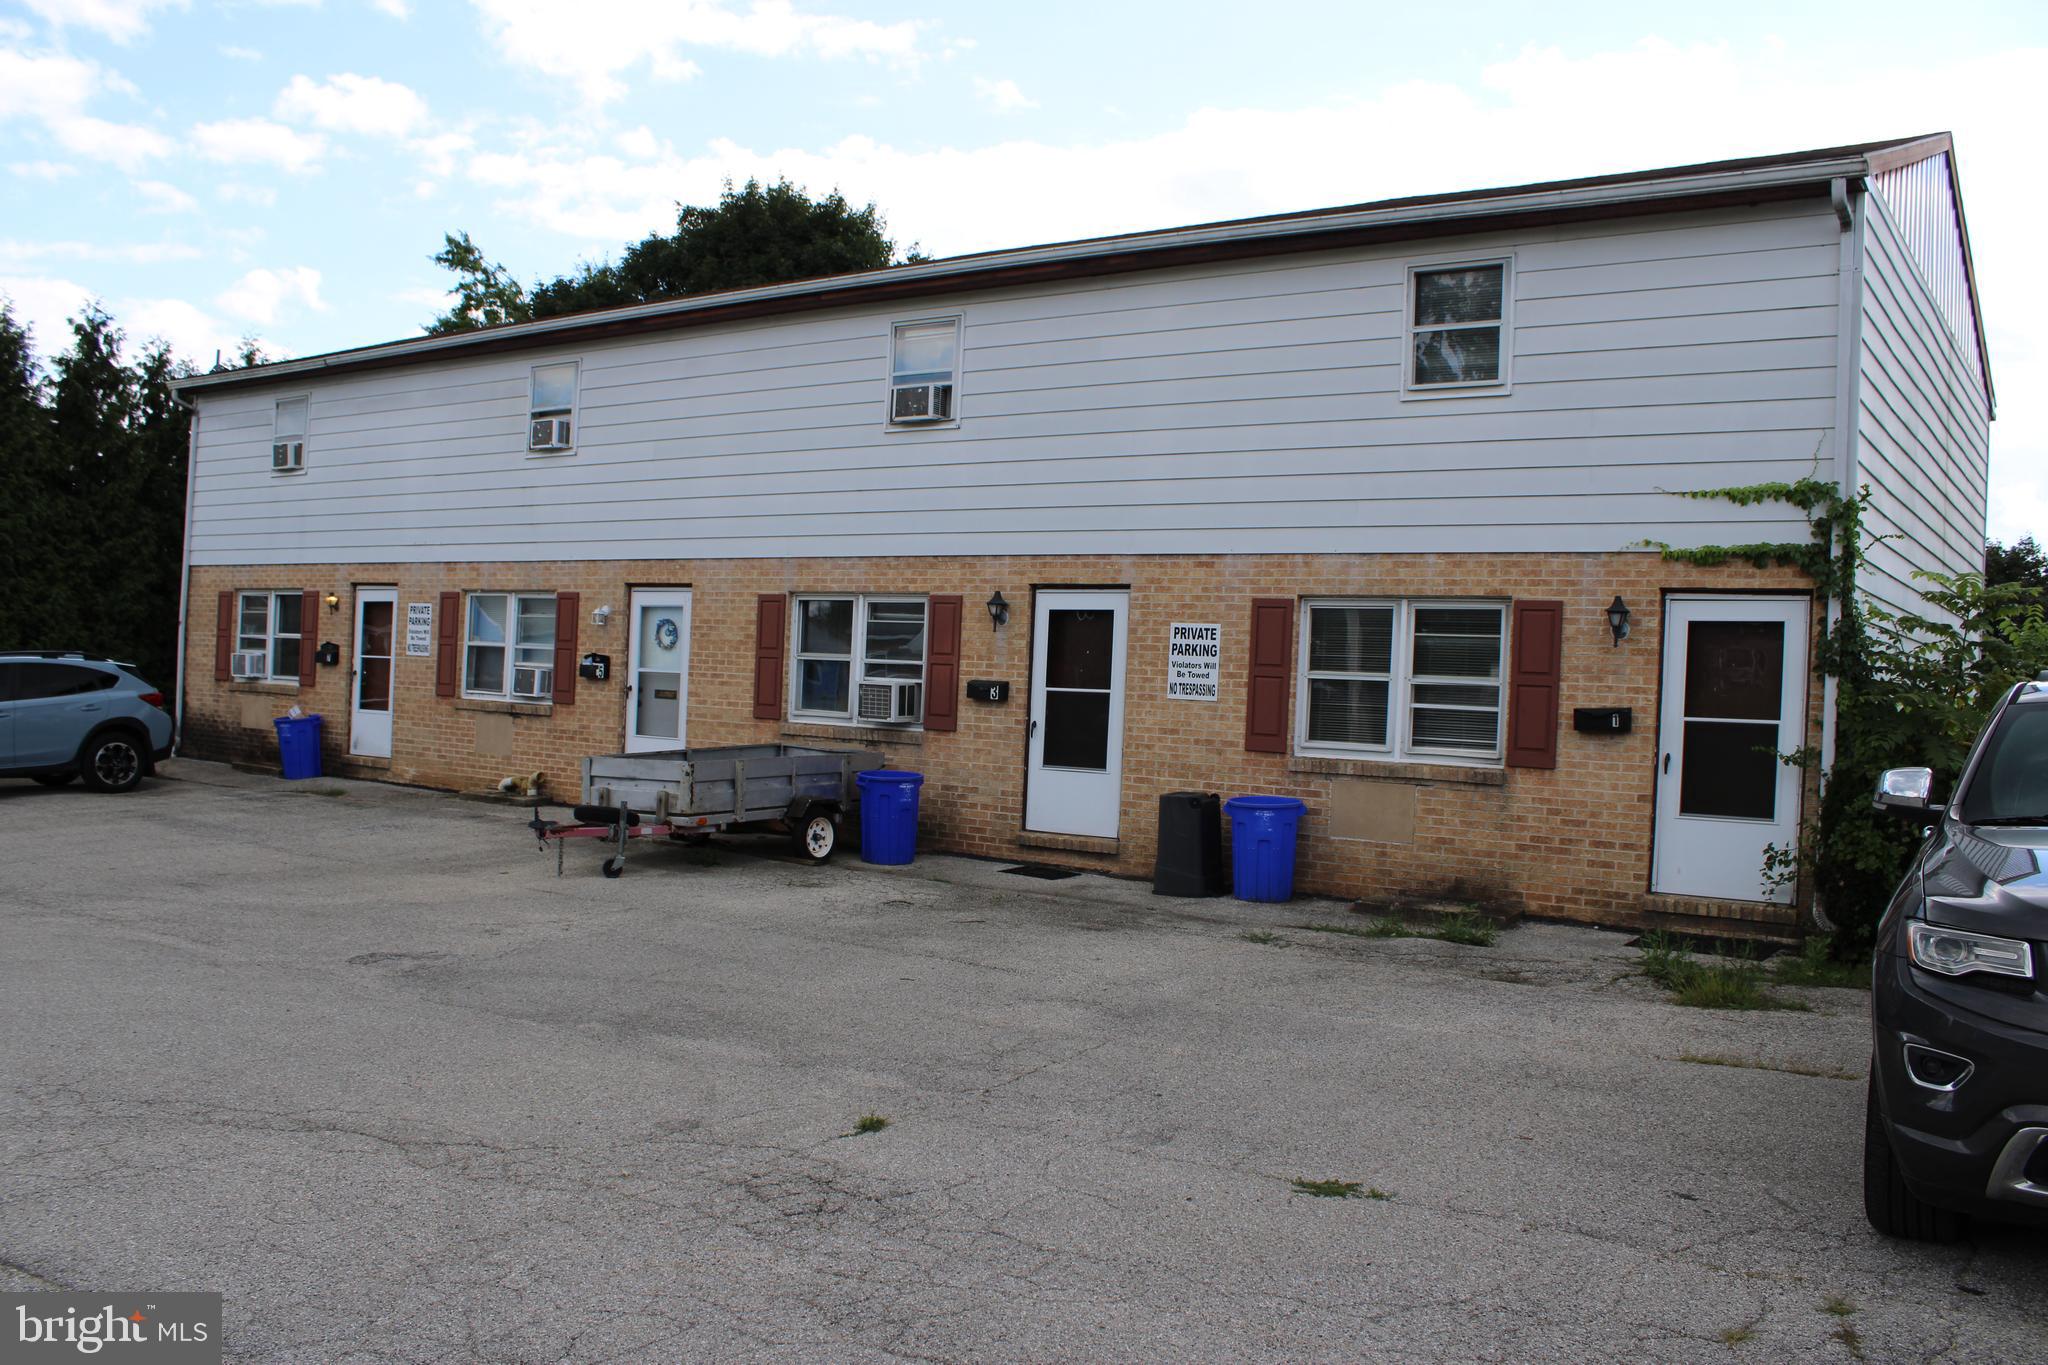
(262, 196)
(42, 170)
(160, 196)
(349, 103)
(583, 38)
(1003, 96)
(397, 9)
(45, 304)
(17, 255)
(122, 20)
(54, 88)
(241, 54)
(261, 294)
(259, 141)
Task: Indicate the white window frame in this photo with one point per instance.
(574, 412)
(305, 438)
(1401, 680)
(510, 645)
(271, 635)
(1463, 388)
(889, 393)
(857, 660)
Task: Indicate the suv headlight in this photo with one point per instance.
(1957, 952)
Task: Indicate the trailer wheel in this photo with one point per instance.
(817, 837)
(614, 865)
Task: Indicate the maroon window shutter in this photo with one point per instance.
(942, 666)
(1272, 660)
(1535, 675)
(449, 629)
(771, 635)
(568, 607)
(309, 636)
(223, 636)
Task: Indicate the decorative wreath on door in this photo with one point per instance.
(665, 633)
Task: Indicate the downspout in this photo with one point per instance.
(185, 567)
(1848, 432)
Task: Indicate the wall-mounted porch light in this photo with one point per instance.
(1617, 619)
(333, 601)
(998, 610)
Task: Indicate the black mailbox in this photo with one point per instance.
(329, 653)
(988, 690)
(1603, 720)
(596, 667)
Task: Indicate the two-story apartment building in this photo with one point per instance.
(1347, 504)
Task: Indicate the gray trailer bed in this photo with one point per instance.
(690, 793)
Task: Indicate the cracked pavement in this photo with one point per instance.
(364, 1065)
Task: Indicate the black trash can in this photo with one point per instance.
(1190, 861)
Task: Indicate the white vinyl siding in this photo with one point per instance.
(841, 641)
(507, 638)
(270, 622)
(1402, 680)
(1243, 407)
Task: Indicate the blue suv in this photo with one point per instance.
(78, 715)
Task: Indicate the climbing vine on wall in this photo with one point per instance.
(1911, 690)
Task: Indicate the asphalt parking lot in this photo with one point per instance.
(354, 1057)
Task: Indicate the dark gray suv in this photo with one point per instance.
(1958, 1111)
(65, 716)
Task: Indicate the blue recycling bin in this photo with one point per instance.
(1262, 832)
(298, 744)
(888, 815)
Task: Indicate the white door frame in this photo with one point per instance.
(1721, 856)
(678, 599)
(1083, 801)
(369, 732)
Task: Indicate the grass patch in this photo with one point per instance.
(1789, 1068)
(1837, 1305)
(1816, 965)
(1335, 1189)
(869, 1123)
(1261, 936)
(1375, 1192)
(1467, 929)
(1737, 984)
(1735, 1336)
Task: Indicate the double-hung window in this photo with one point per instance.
(508, 646)
(551, 408)
(1457, 327)
(859, 659)
(267, 623)
(1399, 679)
(924, 372)
(288, 436)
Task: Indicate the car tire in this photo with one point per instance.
(817, 837)
(1892, 1208)
(113, 761)
(55, 779)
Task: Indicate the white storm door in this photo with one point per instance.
(369, 713)
(658, 670)
(1734, 699)
(1074, 770)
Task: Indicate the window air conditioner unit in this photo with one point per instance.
(896, 701)
(548, 433)
(247, 663)
(532, 681)
(921, 403)
(287, 456)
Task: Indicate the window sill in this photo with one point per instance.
(900, 428)
(853, 734)
(505, 708)
(1392, 771)
(270, 689)
(549, 454)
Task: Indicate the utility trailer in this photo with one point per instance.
(694, 793)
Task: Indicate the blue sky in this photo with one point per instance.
(285, 170)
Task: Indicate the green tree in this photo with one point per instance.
(754, 235)
(2023, 562)
(30, 493)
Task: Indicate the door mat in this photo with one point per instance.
(1044, 874)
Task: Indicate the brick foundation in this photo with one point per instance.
(1573, 842)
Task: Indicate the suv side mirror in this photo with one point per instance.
(1907, 792)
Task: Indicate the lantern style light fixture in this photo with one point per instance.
(998, 610)
(333, 601)
(1617, 619)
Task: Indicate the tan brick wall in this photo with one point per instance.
(1571, 843)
